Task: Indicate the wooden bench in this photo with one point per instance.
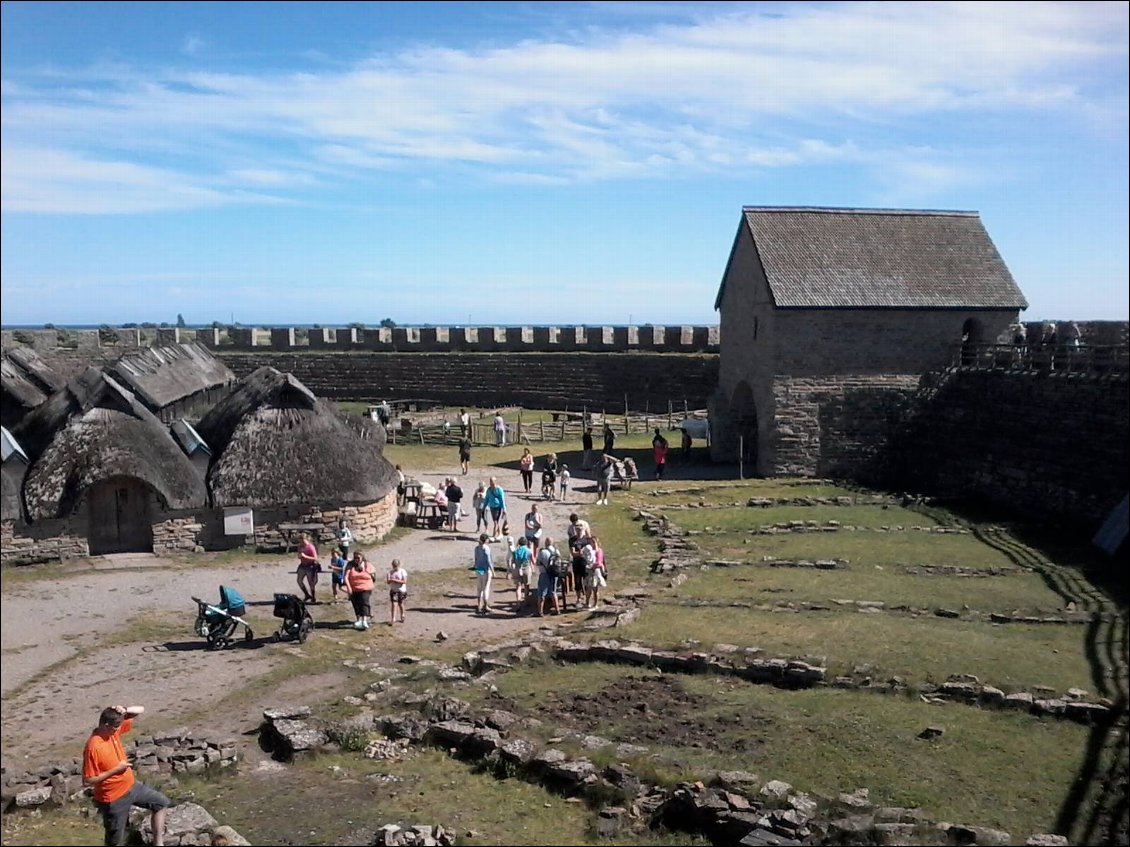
(291, 532)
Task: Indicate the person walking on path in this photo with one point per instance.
(495, 501)
(454, 504)
(344, 538)
(338, 565)
(308, 568)
(586, 447)
(359, 579)
(659, 451)
(526, 469)
(397, 580)
(609, 439)
(464, 423)
(596, 576)
(533, 527)
(464, 454)
(547, 577)
(478, 503)
(604, 473)
(521, 561)
(106, 769)
(564, 482)
(484, 572)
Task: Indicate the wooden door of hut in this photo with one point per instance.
(119, 518)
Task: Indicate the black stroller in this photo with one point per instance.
(297, 622)
(218, 623)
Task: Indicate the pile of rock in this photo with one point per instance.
(417, 835)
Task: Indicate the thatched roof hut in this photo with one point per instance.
(95, 430)
(171, 377)
(25, 382)
(278, 444)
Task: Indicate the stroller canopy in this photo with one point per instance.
(230, 598)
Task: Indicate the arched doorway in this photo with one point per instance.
(119, 517)
(972, 336)
(743, 412)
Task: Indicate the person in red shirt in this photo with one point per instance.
(106, 769)
(308, 567)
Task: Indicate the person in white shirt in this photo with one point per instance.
(397, 580)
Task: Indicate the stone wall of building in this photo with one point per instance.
(1044, 444)
(534, 380)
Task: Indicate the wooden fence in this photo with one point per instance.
(566, 426)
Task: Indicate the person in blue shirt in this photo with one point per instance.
(484, 571)
(495, 500)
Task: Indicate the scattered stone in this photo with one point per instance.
(932, 732)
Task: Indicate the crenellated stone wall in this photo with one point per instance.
(646, 381)
(404, 339)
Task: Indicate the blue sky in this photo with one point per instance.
(533, 163)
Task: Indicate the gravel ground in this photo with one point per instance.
(47, 621)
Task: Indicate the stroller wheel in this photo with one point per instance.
(215, 643)
(304, 629)
(248, 636)
(275, 637)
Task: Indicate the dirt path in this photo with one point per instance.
(47, 623)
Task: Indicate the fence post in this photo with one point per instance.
(519, 426)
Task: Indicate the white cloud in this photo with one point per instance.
(740, 87)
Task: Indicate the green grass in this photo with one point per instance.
(862, 550)
(927, 649)
(1025, 593)
(745, 518)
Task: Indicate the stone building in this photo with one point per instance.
(828, 320)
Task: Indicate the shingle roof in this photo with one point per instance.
(160, 376)
(878, 259)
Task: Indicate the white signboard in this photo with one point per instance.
(239, 520)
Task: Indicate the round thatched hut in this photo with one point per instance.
(297, 461)
(104, 475)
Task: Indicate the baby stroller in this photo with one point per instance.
(297, 622)
(218, 623)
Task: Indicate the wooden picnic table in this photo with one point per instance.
(291, 531)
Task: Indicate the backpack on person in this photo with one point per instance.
(557, 565)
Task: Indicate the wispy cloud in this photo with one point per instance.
(767, 91)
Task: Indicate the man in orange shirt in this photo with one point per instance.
(107, 770)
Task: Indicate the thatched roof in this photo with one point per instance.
(161, 376)
(26, 378)
(277, 443)
(93, 430)
(822, 258)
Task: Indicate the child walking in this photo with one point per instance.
(337, 573)
(397, 580)
(564, 482)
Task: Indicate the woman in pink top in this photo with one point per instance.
(308, 567)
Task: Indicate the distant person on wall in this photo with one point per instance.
(464, 424)
(1071, 337)
(308, 568)
(526, 469)
(397, 580)
(609, 439)
(464, 454)
(659, 451)
(499, 430)
(495, 500)
(454, 504)
(1020, 340)
(586, 447)
(106, 769)
(484, 573)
